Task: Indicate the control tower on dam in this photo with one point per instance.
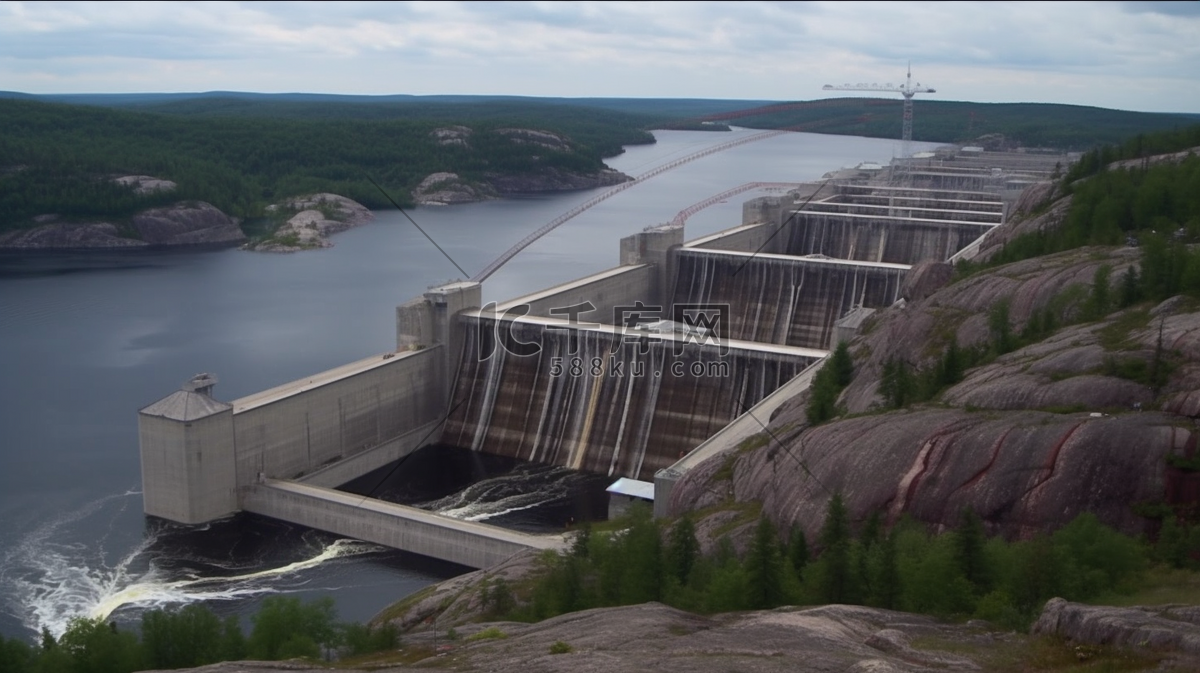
(641, 371)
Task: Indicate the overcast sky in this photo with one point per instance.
(1133, 56)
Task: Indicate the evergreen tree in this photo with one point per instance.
(897, 385)
(764, 568)
(842, 365)
(969, 539)
(999, 327)
(834, 582)
(797, 550)
(1131, 290)
(642, 559)
(684, 549)
(1099, 301)
(886, 583)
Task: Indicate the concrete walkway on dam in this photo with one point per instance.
(813, 259)
(467, 543)
(684, 339)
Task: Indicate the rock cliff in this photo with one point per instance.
(185, 223)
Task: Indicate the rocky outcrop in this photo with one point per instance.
(61, 236)
(452, 135)
(544, 139)
(184, 224)
(554, 180)
(444, 189)
(919, 332)
(1023, 472)
(1037, 210)
(319, 217)
(659, 638)
(187, 223)
(1166, 628)
(145, 184)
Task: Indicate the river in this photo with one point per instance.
(90, 338)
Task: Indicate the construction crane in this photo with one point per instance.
(908, 91)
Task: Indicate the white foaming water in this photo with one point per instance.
(527, 487)
(52, 582)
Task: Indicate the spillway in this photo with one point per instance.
(591, 400)
(880, 238)
(778, 299)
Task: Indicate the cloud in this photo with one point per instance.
(1088, 53)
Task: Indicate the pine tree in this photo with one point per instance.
(764, 568)
(886, 583)
(797, 550)
(969, 539)
(683, 549)
(835, 578)
(842, 365)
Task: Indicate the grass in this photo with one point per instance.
(1160, 585)
(490, 633)
(1056, 654)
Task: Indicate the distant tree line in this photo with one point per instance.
(1065, 127)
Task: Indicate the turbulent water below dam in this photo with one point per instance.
(90, 338)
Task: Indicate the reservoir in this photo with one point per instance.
(89, 338)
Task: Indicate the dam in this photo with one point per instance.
(641, 371)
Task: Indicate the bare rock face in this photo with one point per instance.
(319, 217)
(1023, 472)
(924, 279)
(145, 184)
(187, 223)
(67, 237)
(654, 637)
(444, 189)
(1168, 628)
(452, 135)
(546, 139)
(555, 180)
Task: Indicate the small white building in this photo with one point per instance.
(624, 492)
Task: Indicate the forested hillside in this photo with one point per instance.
(57, 158)
(1070, 127)
(241, 152)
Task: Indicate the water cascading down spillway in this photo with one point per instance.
(779, 299)
(878, 238)
(600, 400)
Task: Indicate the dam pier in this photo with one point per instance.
(641, 372)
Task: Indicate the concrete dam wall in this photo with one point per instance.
(879, 238)
(792, 301)
(590, 401)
